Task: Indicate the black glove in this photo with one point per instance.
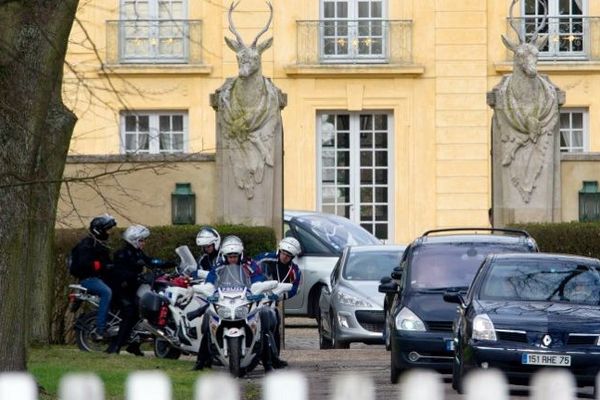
(140, 263)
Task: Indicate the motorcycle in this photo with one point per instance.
(173, 315)
(235, 322)
(85, 324)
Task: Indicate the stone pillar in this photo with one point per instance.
(525, 153)
(250, 163)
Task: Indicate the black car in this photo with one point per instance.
(524, 312)
(418, 322)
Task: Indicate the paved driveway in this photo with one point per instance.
(320, 366)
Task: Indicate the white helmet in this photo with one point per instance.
(290, 245)
(207, 236)
(232, 245)
(134, 234)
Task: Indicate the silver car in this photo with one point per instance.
(323, 237)
(351, 306)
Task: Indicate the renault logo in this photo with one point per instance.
(546, 340)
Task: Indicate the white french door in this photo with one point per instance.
(355, 168)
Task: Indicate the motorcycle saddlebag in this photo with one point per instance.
(150, 305)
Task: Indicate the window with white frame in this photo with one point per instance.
(353, 29)
(567, 26)
(354, 162)
(154, 132)
(153, 30)
(573, 130)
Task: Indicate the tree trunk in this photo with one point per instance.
(35, 131)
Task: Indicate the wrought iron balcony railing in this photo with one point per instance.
(569, 37)
(354, 41)
(154, 41)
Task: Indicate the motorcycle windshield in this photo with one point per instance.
(232, 278)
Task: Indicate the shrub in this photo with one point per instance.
(581, 238)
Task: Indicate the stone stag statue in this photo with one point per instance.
(249, 133)
(249, 107)
(525, 133)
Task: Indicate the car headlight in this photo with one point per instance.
(483, 328)
(350, 300)
(406, 320)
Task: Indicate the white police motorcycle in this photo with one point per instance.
(174, 316)
(234, 319)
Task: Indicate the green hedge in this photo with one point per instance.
(581, 238)
(162, 243)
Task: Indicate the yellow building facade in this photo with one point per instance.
(386, 122)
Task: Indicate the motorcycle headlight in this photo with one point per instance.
(483, 328)
(241, 312)
(406, 320)
(223, 312)
(350, 300)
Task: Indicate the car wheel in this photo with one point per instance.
(457, 375)
(324, 343)
(337, 344)
(395, 371)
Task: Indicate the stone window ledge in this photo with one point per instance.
(352, 70)
(580, 157)
(155, 69)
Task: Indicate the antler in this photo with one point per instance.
(266, 26)
(542, 24)
(232, 26)
(511, 20)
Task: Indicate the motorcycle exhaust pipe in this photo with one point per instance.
(157, 332)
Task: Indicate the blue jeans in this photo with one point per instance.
(99, 288)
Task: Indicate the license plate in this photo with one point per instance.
(450, 345)
(546, 359)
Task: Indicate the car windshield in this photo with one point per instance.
(336, 231)
(542, 280)
(370, 266)
(445, 265)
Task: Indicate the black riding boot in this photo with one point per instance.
(204, 359)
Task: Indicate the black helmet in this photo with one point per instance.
(100, 226)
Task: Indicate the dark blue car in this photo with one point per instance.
(524, 312)
(418, 327)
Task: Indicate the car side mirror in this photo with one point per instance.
(385, 279)
(389, 287)
(397, 274)
(454, 297)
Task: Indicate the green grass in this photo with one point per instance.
(49, 364)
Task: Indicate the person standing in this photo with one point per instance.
(280, 266)
(89, 262)
(209, 240)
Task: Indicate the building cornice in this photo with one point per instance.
(139, 158)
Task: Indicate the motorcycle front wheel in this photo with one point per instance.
(85, 325)
(234, 345)
(163, 349)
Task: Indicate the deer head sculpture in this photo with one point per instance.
(248, 57)
(526, 53)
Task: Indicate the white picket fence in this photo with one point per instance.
(556, 384)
